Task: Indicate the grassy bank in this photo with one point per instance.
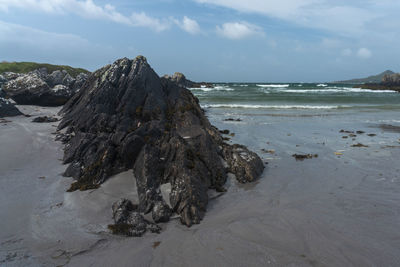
(25, 67)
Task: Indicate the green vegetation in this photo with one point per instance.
(82, 186)
(25, 67)
(371, 79)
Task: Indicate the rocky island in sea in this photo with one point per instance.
(126, 117)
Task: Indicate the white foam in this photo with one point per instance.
(333, 90)
(370, 90)
(216, 88)
(273, 85)
(322, 85)
(248, 106)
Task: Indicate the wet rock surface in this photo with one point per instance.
(301, 157)
(40, 88)
(7, 107)
(128, 221)
(127, 117)
(44, 119)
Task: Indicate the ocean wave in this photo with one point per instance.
(249, 106)
(216, 88)
(273, 85)
(240, 85)
(322, 85)
(369, 90)
(332, 90)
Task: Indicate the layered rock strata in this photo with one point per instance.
(127, 117)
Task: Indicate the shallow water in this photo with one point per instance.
(334, 210)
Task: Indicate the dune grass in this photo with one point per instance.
(25, 67)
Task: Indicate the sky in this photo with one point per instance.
(210, 40)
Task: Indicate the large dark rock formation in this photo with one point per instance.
(181, 80)
(127, 117)
(40, 88)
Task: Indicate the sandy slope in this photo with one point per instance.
(329, 211)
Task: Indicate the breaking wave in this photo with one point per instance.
(249, 106)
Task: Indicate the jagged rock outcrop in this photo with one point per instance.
(181, 80)
(127, 117)
(7, 107)
(40, 88)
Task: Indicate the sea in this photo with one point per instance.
(295, 96)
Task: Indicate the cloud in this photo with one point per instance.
(142, 20)
(30, 44)
(364, 53)
(238, 30)
(18, 34)
(87, 9)
(346, 18)
(191, 26)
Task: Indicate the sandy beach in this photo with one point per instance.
(339, 209)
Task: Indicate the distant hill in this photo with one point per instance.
(370, 79)
(25, 67)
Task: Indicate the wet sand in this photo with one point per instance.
(338, 209)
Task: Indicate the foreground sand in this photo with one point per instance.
(334, 210)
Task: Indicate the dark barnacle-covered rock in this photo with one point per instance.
(44, 119)
(126, 117)
(7, 108)
(161, 212)
(122, 209)
(245, 164)
(128, 221)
